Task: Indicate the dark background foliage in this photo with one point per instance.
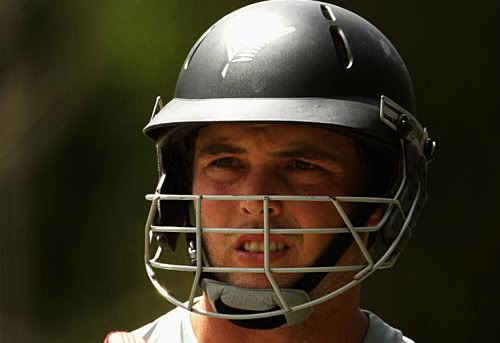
(77, 84)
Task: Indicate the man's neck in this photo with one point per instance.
(339, 321)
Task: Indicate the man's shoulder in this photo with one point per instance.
(174, 325)
(380, 331)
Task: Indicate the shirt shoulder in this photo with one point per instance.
(381, 332)
(173, 327)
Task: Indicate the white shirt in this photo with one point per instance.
(175, 327)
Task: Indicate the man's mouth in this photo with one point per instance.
(249, 249)
(255, 244)
(258, 246)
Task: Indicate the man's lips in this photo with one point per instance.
(249, 249)
(276, 242)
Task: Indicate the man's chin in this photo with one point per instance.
(259, 281)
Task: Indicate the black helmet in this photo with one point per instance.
(289, 61)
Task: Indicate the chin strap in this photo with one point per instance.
(228, 299)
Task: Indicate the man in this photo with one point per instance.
(291, 160)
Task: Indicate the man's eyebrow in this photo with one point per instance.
(310, 152)
(216, 148)
(304, 150)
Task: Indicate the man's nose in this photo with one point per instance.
(260, 183)
(256, 208)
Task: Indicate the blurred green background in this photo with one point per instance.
(77, 83)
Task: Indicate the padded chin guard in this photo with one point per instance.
(230, 299)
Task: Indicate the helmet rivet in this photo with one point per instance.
(429, 149)
(404, 126)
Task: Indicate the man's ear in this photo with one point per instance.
(375, 217)
(373, 220)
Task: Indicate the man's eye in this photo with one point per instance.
(298, 164)
(227, 162)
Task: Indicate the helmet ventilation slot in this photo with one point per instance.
(344, 54)
(327, 12)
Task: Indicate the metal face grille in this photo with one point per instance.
(363, 270)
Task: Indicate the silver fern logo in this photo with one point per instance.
(245, 47)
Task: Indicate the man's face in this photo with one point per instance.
(271, 159)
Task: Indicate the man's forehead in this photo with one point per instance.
(273, 132)
(275, 138)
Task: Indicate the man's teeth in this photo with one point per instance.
(259, 246)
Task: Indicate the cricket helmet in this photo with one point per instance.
(293, 62)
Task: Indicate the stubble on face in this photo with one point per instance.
(264, 160)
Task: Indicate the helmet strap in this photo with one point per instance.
(229, 299)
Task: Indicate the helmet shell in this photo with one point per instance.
(289, 61)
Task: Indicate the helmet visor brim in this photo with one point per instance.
(353, 115)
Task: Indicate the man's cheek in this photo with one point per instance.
(210, 248)
(215, 213)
